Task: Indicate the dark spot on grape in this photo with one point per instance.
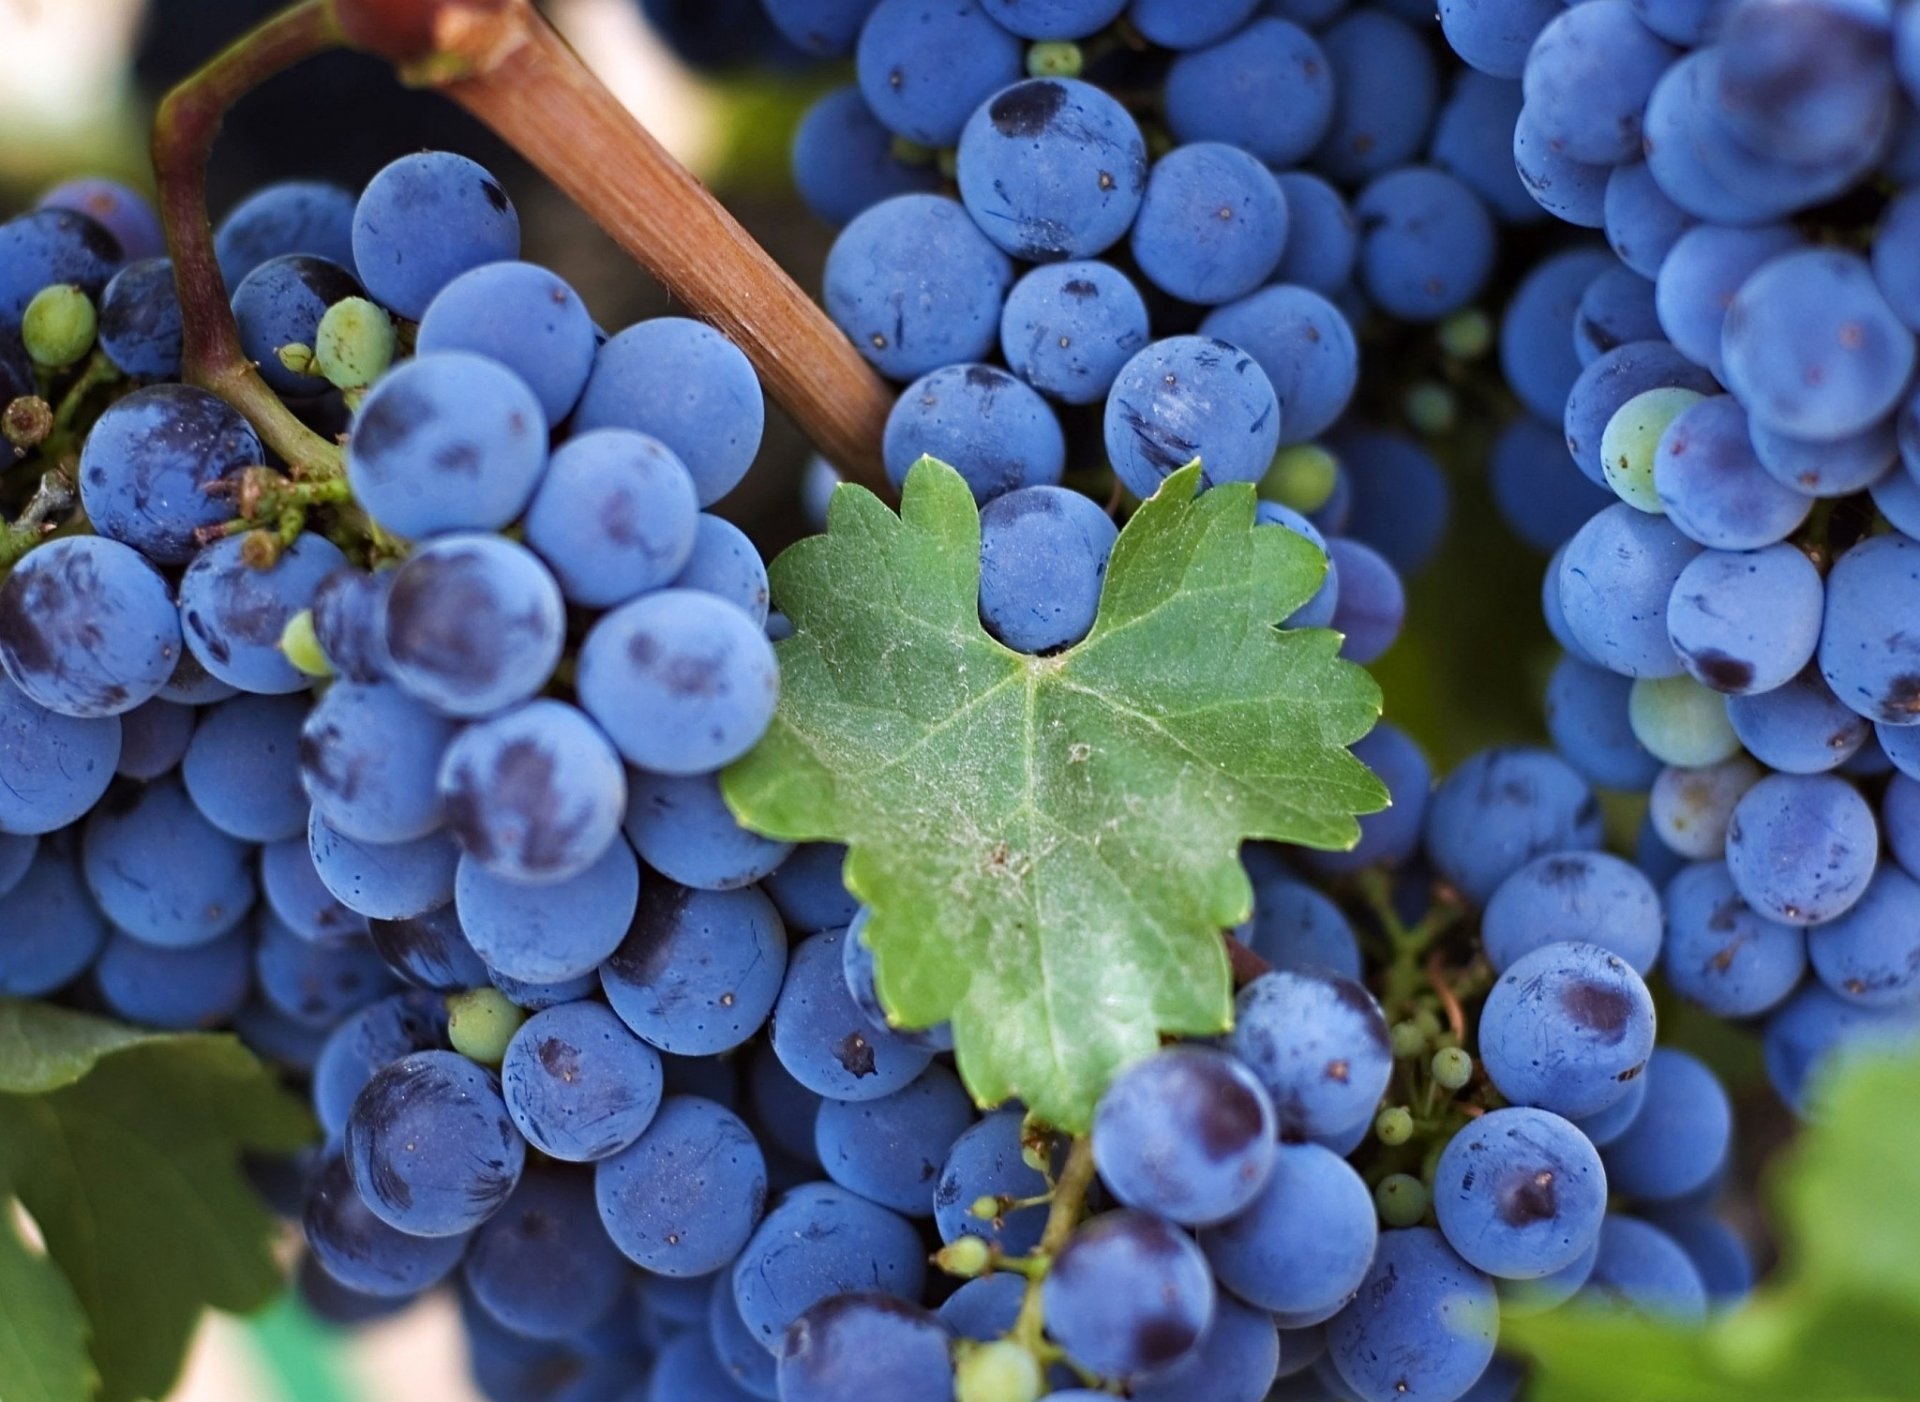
(1079, 289)
(496, 196)
(461, 458)
(1027, 109)
(1598, 1007)
(387, 422)
(1532, 1200)
(1229, 1119)
(559, 1059)
(1565, 870)
(647, 952)
(1722, 671)
(1163, 1339)
(855, 1053)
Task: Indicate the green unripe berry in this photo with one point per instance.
(1001, 1371)
(58, 326)
(1302, 476)
(1401, 1199)
(1394, 1125)
(1452, 1068)
(1408, 1039)
(1467, 335)
(302, 646)
(985, 1207)
(965, 1256)
(354, 344)
(480, 1023)
(1055, 58)
(1632, 435)
(1681, 722)
(296, 357)
(1432, 409)
(1428, 1021)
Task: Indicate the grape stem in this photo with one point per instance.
(504, 63)
(1069, 1205)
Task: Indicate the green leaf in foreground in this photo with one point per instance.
(1049, 845)
(124, 1147)
(43, 1334)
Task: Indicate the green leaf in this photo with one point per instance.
(43, 1334)
(125, 1149)
(1049, 844)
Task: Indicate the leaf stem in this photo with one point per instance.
(504, 63)
(183, 134)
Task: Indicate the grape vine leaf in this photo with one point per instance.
(124, 1148)
(43, 1334)
(1049, 845)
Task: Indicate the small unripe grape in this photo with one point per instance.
(965, 1256)
(58, 326)
(1467, 335)
(1401, 1199)
(998, 1372)
(302, 648)
(1302, 476)
(1409, 1040)
(354, 344)
(1394, 1125)
(1631, 436)
(480, 1023)
(985, 1207)
(1055, 58)
(1452, 1068)
(1432, 409)
(1681, 722)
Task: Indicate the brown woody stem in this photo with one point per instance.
(502, 62)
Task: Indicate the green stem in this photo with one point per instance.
(100, 371)
(183, 136)
(1069, 1204)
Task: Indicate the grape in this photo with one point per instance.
(1054, 19)
(118, 209)
(179, 989)
(1641, 1268)
(1307, 349)
(1714, 487)
(984, 1309)
(430, 1147)
(370, 757)
(578, 1084)
(1174, 25)
(998, 433)
(844, 161)
(1717, 1252)
(53, 930)
(683, 829)
(1187, 1134)
(986, 1162)
(822, 1037)
(350, 623)
(1385, 90)
(784, 1112)
(1799, 727)
(1051, 169)
(424, 220)
(1588, 76)
(924, 67)
(1212, 224)
(162, 872)
(1536, 330)
(1495, 37)
(1642, 224)
(1691, 809)
(1801, 848)
(914, 283)
(1871, 954)
(1541, 498)
(474, 624)
(242, 768)
(1566, 1029)
(1422, 1326)
(1587, 717)
(1633, 435)
(374, 1036)
(87, 627)
(1306, 1240)
(1582, 897)
(1730, 641)
(395, 881)
(316, 982)
(1318, 1044)
(1900, 816)
(279, 304)
(686, 1366)
(1869, 656)
(1266, 89)
(1573, 192)
(553, 931)
(1191, 397)
(1520, 1193)
(1426, 243)
(1067, 329)
(48, 247)
(1616, 577)
(1043, 557)
(140, 320)
(16, 859)
(1681, 722)
(1807, 83)
(808, 890)
(1680, 1139)
(1473, 142)
(726, 564)
(1502, 808)
(1294, 926)
(543, 1264)
(861, 972)
(698, 971)
(1129, 1295)
(233, 615)
(1610, 382)
(428, 951)
(1388, 837)
(1720, 954)
(148, 462)
(1814, 1029)
(522, 317)
(363, 1253)
(817, 1242)
(1236, 1360)
(864, 1344)
(296, 216)
(1699, 277)
(1318, 611)
(614, 516)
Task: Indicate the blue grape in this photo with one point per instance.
(522, 317)
(1573, 192)
(1129, 1295)
(1236, 1359)
(697, 971)
(360, 1251)
(1067, 329)
(1054, 19)
(1869, 656)
(1541, 499)
(296, 216)
(474, 624)
(1388, 837)
(890, 1150)
(1494, 38)
(809, 890)
(1566, 1029)
(1801, 847)
(1589, 75)
(1318, 1044)
(1726, 642)
(430, 1146)
(53, 930)
(87, 627)
(1520, 1193)
(1536, 332)
(1500, 809)
(17, 852)
(1305, 346)
(1294, 926)
(1322, 239)
(1722, 955)
(327, 1300)
(1385, 89)
(1614, 378)
(1187, 1134)
(1191, 397)
(1871, 954)
(1266, 89)
(161, 872)
(424, 220)
(317, 982)
(1642, 224)
(1426, 243)
(924, 67)
(295, 893)
(985, 1308)
(177, 989)
(1608, 1125)
(279, 304)
(233, 615)
(1174, 25)
(1043, 558)
(1642, 1269)
(1616, 308)
(370, 758)
(149, 461)
(49, 246)
(784, 1111)
(726, 564)
(1699, 277)
(915, 285)
(683, 829)
(997, 432)
(140, 320)
(1716, 1250)
(1897, 495)
(1587, 718)
(1813, 1030)
(1422, 1327)
(153, 738)
(822, 1037)
(350, 623)
(428, 951)
(578, 1084)
(538, 997)
(1799, 727)
(393, 881)
(1212, 224)
(1680, 1139)
(242, 768)
(864, 1345)
(1305, 1243)
(1895, 244)
(844, 161)
(682, 682)
(447, 442)
(371, 1037)
(1616, 577)
(986, 1162)
(1690, 809)
(121, 211)
(614, 516)
(1901, 745)
(817, 1242)
(1809, 83)
(1714, 486)
(1583, 897)
(1400, 495)
(1052, 169)
(553, 931)
(861, 970)
(1473, 142)
(686, 1366)
(1318, 611)
(543, 1263)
